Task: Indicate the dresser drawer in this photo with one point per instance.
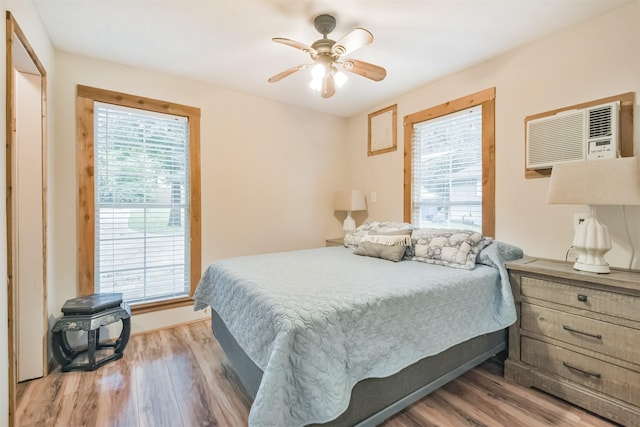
(612, 304)
(615, 381)
(613, 340)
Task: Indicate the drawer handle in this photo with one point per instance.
(582, 371)
(582, 298)
(570, 329)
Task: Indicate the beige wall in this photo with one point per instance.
(268, 170)
(593, 60)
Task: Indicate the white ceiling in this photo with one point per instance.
(227, 43)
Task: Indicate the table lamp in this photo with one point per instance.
(595, 182)
(349, 200)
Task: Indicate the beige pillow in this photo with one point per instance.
(385, 245)
(375, 250)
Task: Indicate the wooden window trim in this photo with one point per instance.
(486, 99)
(86, 198)
(627, 101)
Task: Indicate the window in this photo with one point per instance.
(449, 165)
(447, 171)
(138, 216)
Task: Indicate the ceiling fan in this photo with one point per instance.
(328, 58)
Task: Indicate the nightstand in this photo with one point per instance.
(577, 336)
(338, 241)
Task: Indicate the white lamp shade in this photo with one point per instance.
(596, 182)
(349, 200)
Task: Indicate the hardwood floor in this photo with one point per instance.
(179, 377)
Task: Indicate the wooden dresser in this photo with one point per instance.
(577, 336)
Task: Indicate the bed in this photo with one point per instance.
(323, 336)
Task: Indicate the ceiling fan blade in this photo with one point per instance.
(295, 44)
(364, 69)
(328, 87)
(286, 73)
(352, 41)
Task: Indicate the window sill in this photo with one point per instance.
(161, 305)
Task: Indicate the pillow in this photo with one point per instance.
(401, 232)
(390, 246)
(352, 240)
(451, 248)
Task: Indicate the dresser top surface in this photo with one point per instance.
(620, 278)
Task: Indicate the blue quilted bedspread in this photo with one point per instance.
(318, 321)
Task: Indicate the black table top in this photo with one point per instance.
(92, 303)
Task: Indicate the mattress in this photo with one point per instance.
(373, 400)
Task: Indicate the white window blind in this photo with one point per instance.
(447, 171)
(141, 203)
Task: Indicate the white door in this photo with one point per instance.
(28, 241)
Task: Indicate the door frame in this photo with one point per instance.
(14, 34)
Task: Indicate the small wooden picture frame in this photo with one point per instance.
(383, 131)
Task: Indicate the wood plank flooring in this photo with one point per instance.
(180, 377)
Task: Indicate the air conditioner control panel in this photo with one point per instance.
(601, 149)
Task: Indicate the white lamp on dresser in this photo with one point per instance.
(592, 183)
(349, 201)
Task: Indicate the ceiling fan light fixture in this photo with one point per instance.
(340, 78)
(316, 84)
(318, 72)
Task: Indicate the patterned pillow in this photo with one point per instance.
(451, 248)
(352, 240)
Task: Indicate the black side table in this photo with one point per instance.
(89, 314)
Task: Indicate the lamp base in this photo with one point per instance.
(349, 225)
(591, 268)
(591, 242)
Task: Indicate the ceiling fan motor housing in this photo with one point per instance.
(324, 24)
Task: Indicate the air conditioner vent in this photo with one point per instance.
(600, 121)
(555, 139)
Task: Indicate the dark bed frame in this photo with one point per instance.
(374, 400)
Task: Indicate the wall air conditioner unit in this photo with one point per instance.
(590, 133)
